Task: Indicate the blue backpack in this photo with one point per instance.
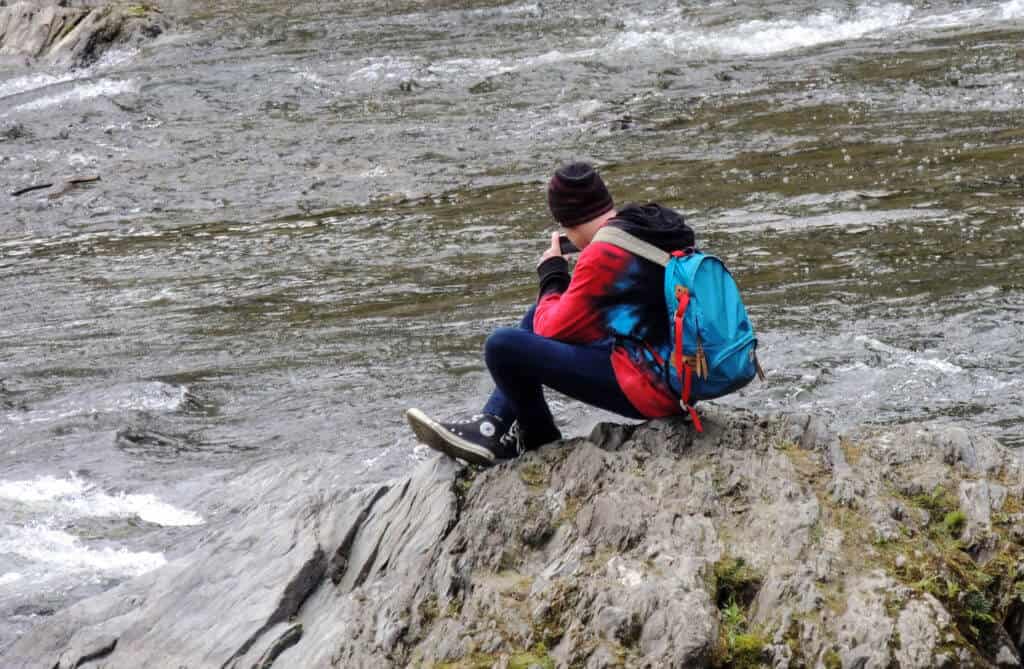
(714, 350)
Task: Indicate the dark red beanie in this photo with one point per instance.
(576, 195)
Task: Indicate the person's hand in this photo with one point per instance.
(553, 251)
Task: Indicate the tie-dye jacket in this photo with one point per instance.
(615, 295)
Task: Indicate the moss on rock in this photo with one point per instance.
(954, 522)
(734, 581)
(740, 645)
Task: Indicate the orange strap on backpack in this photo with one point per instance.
(685, 371)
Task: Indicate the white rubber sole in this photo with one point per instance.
(434, 435)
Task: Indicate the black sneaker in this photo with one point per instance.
(481, 439)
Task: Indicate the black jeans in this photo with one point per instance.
(523, 363)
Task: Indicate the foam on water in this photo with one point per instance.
(79, 93)
(113, 58)
(388, 67)
(43, 552)
(1012, 10)
(761, 38)
(435, 16)
(876, 370)
(675, 34)
(392, 69)
(902, 358)
(556, 56)
(1007, 11)
(80, 498)
(470, 66)
(754, 221)
(147, 396)
(10, 577)
(529, 8)
(35, 82)
(56, 553)
(40, 490)
(957, 19)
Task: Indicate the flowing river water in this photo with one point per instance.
(311, 214)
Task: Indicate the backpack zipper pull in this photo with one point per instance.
(702, 361)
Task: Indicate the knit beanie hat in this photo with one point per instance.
(576, 194)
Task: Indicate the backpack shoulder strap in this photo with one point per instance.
(624, 240)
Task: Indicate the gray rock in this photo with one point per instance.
(865, 629)
(14, 131)
(74, 36)
(1007, 658)
(638, 547)
(921, 626)
(978, 499)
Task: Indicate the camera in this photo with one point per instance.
(566, 246)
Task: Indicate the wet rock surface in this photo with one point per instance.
(75, 34)
(764, 541)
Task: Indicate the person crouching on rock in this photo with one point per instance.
(597, 337)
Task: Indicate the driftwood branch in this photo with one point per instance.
(29, 189)
(66, 186)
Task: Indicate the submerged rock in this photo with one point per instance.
(76, 36)
(762, 541)
(14, 131)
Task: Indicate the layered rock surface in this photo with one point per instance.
(74, 36)
(763, 541)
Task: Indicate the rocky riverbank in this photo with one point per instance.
(764, 541)
(75, 34)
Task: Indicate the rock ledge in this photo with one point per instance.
(762, 542)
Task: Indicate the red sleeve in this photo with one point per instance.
(575, 315)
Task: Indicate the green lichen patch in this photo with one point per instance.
(475, 661)
(785, 445)
(831, 659)
(569, 511)
(535, 657)
(139, 10)
(534, 474)
(428, 610)
(463, 483)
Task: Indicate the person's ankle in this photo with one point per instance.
(531, 440)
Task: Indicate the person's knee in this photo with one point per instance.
(505, 345)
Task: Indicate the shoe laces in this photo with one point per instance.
(511, 439)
